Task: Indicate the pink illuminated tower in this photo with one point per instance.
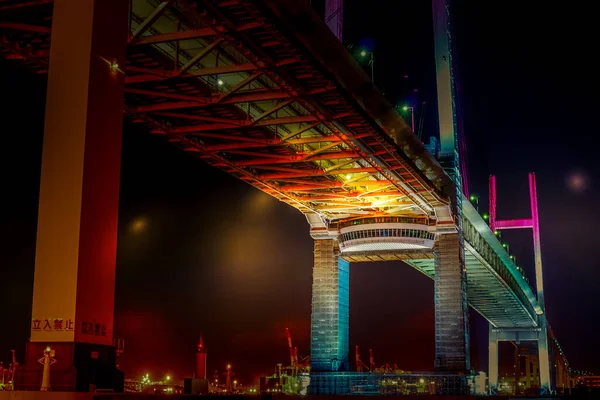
(526, 223)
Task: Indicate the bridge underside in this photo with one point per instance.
(487, 294)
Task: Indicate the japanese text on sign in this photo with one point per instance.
(93, 328)
(52, 325)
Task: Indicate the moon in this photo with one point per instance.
(577, 181)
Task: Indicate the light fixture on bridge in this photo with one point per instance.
(220, 82)
(114, 66)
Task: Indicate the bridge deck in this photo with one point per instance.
(263, 90)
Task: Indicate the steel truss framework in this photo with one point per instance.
(219, 79)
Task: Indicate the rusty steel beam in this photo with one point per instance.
(324, 148)
(300, 131)
(224, 124)
(150, 20)
(298, 119)
(273, 109)
(232, 137)
(200, 101)
(269, 142)
(190, 34)
(24, 27)
(320, 197)
(296, 159)
(282, 169)
(160, 75)
(25, 4)
(333, 184)
(324, 197)
(232, 122)
(301, 174)
(203, 53)
(242, 83)
(243, 97)
(175, 36)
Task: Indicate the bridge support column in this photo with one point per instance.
(544, 357)
(451, 312)
(74, 282)
(539, 335)
(330, 309)
(492, 363)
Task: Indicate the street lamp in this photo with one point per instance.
(475, 199)
(412, 116)
(364, 53)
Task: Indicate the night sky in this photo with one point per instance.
(199, 251)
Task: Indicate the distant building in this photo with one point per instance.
(163, 389)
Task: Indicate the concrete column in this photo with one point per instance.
(544, 358)
(451, 308)
(493, 362)
(330, 309)
(73, 295)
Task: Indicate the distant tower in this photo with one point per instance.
(200, 372)
(228, 381)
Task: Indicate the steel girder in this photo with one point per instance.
(221, 80)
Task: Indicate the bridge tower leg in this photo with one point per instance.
(493, 363)
(330, 309)
(450, 283)
(334, 17)
(533, 223)
(451, 309)
(74, 280)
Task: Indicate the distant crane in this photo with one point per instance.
(292, 351)
(297, 363)
(359, 363)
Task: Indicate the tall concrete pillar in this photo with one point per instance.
(492, 362)
(451, 308)
(544, 357)
(330, 309)
(74, 282)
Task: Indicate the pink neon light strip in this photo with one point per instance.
(537, 247)
(492, 188)
(514, 223)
